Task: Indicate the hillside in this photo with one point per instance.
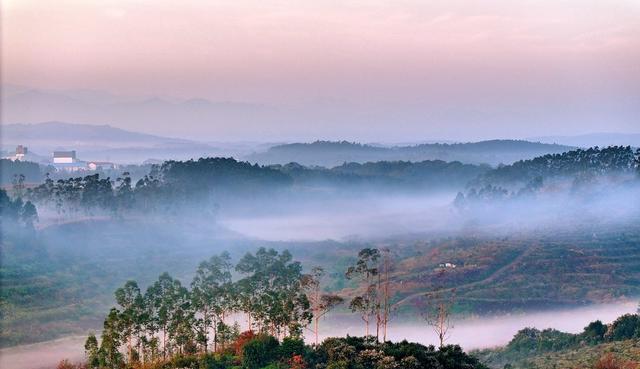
(329, 154)
(596, 346)
(67, 132)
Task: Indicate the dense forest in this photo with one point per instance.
(207, 182)
(593, 161)
(10, 170)
(572, 172)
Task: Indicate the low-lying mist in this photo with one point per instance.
(478, 333)
(383, 215)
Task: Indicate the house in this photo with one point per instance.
(100, 165)
(64, 157)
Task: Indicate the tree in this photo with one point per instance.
(386, 290)
(91, 351)
(436, 310)
(124, 195)
(321, 303)
(273, 290)
(210, 288)
(131, 302)
(165, 295)
(110, 355)
(365, 271)
(29, 214)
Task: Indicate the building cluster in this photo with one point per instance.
(64, 161)
(68, 161)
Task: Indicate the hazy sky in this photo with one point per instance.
(443, 69)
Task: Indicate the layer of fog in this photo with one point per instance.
(384, 215)
(480, 332)
(486, 332)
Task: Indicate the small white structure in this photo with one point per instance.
(64, 157)
(100, 165)
(447, 265)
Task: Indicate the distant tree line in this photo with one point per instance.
(198, 183)
(16, 213)
(10, 169)
(580, 168)
(595, 161)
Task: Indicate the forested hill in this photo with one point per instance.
(590, 162)
(403, 175)
(329, 153)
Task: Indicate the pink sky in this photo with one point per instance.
(500, 55)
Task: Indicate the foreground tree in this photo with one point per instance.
(436, 308)
(211, 287)
(365, 272)
(321, 303)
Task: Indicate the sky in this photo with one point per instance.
(370, 70)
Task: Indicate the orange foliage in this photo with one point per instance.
(609, 361)
(242, 340)
(297, 362)
(66, 364)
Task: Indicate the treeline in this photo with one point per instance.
(205, 183)
(593, 161)
(578, 169)
(399, 175)
(12, 169)
(167, 187)
(16, 213)
(530, 342)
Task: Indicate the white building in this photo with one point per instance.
(100, 165)
(64, 157)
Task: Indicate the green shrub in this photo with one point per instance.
(623, 328)
(291, 346)
(259, 352)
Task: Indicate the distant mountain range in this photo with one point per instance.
(104, 142)
(330, 153)
(171, 117)
(85, 133)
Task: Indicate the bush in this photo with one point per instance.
(594, 332)
(290, 347)
(185, 362)
(259, 352)
(242, 340)
(624, 328)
